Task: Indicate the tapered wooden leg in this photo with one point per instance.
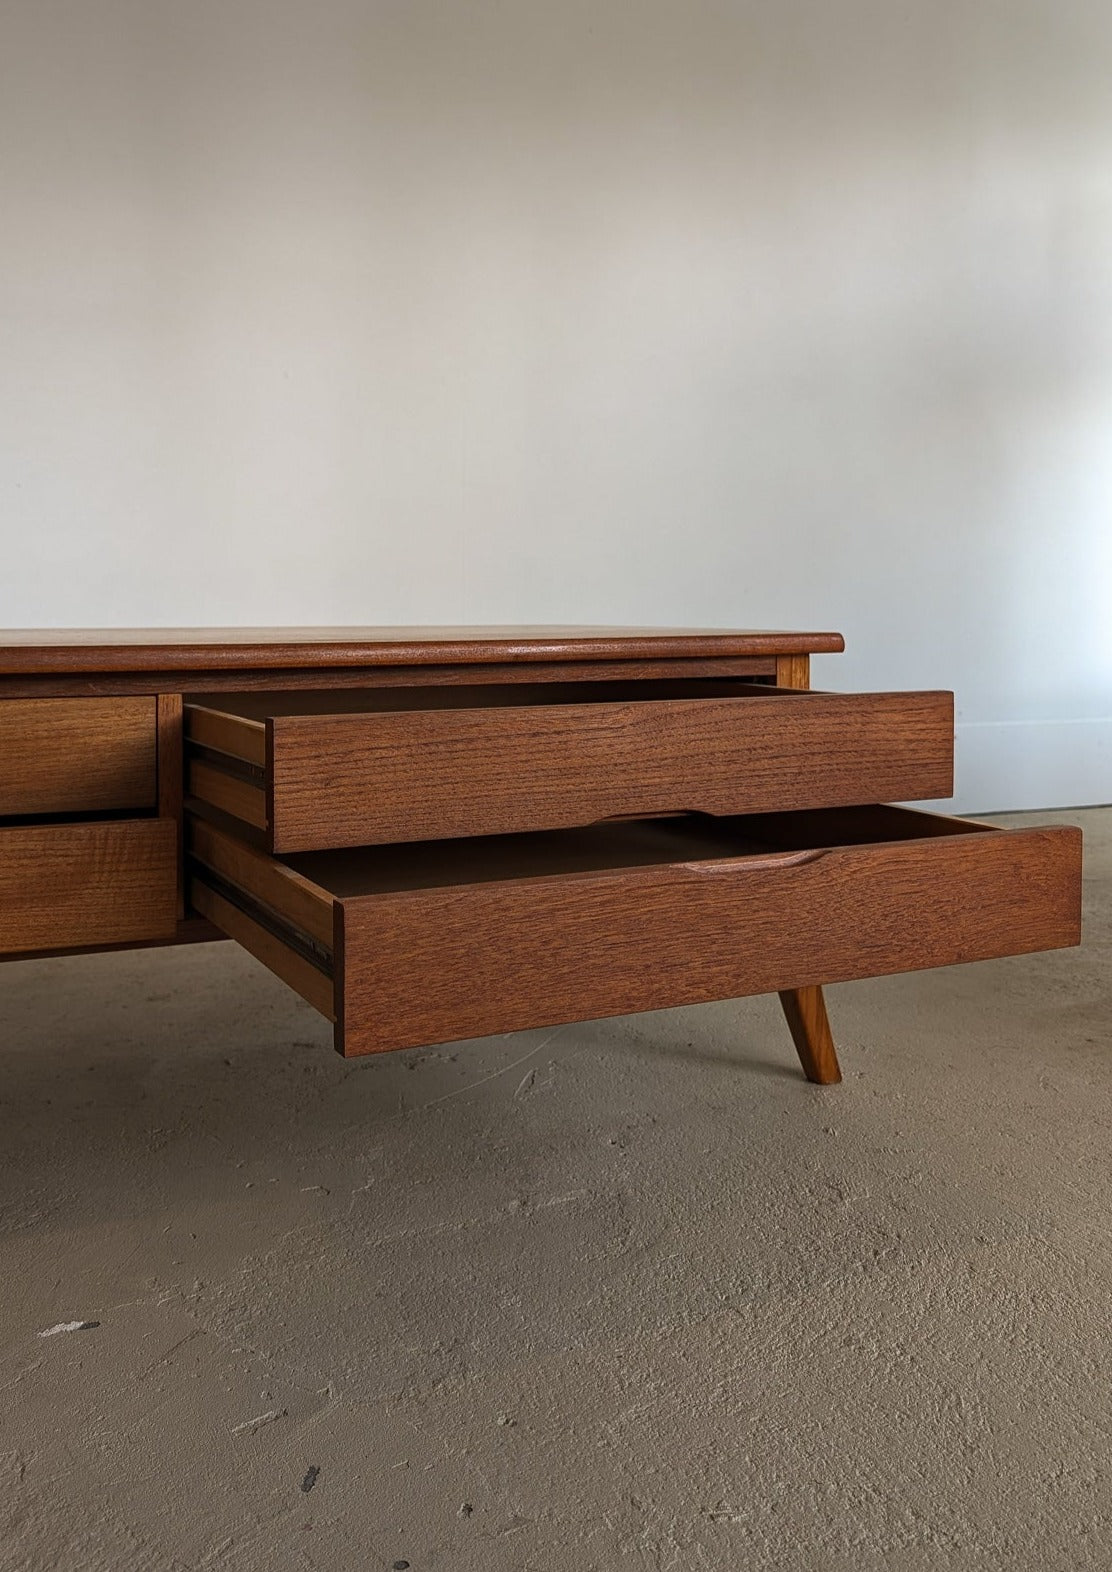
(809, 1025)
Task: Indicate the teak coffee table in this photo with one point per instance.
(439, 833)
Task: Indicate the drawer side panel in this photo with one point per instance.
(267, 946)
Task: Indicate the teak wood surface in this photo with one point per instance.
(805, 1008)
(240, 680)
(805, 1012)
(429, 965)
(91, 650)
(357, 779)
(91, 662)
(77, 755)
(66, 886)
(305, 906)
(296, 972)
(171, 778)
(421, 956)
(712, 906)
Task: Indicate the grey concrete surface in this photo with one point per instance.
(625, 1295)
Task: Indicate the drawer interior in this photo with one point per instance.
(284, 909)
(680, 839)
(260, 705)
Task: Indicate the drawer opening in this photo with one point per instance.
(261, 706)
(281, 918)
(10, 821)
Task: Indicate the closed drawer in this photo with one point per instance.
(408, 945)
(309, 775)
(67, 886)
(77, 755)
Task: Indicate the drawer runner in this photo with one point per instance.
(241, 769)
(300, 943)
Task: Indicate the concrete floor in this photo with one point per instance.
(625, 1295)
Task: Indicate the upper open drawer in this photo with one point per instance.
(319, 770)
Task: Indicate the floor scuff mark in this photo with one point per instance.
(257, 1423)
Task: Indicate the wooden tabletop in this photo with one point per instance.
(32, 652)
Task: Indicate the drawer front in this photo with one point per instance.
(77, 755)
(430, 965)
(434, 943)
(68, 886)
(317, 781)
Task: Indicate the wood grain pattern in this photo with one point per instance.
(77, 755)
(304, 978)
(805, 1012)
(238, 735)
(227, 792)
(60, 684)
(24, 651)
(65, 886)
(351, 780)
(192, 930)
(274, 884)
(171, 768)
(805, 1008)
(423, 966)
(793, 671)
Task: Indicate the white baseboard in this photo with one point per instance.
(1004, 766)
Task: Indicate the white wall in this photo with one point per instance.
(795, 312)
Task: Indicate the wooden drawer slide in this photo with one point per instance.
(391, 767)
(408, 945)
(72, 886)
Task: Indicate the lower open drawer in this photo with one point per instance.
(403, 945)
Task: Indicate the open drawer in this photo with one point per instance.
(418, 944)
(322, 770)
